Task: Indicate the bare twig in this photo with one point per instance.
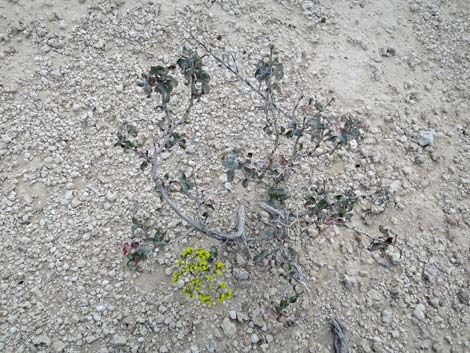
(340, 337)
(296, 143)
(236, 73)
(198, 201)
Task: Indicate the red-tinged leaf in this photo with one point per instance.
(135, 244)
(330, 220)
(125, 248)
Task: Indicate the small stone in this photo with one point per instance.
(349, 281)
(13, 330)
(211, 347)
(353, 144)
(100, 308)
(430, 273)
(269, 338)
(180, 284)
(119, 340)
(388, 52)
(241, 274)
(6, 138)
(395, 186)
(464, 297)
(435, 302)
(228, 327)
(100, 44)
(312, 230)
(163, 349)
(426, 138)
(240, 260)
(419, 312)
(386, 316)
(254, 338)
(58, 346)
(264, 347)
(232, 314)
(395, 257)
(228, 186)
(111, 197)
(42, 340)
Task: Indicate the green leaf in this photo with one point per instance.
(261, 256)
(230, 174)
(185, 184)
(278, 194)
(279, 71)
(144, 251)
(205, 88)
(158, 70)
(262, 72)
(173, 83)
(132, 130)
(144, 165)
(202, 76)
(245, 182)
(132, 265)
(214, 253)
(230, 161)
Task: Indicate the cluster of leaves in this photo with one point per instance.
(269, 70)
(176, 139)
(287, 300)
(201, 273)
(192, 68)
(129, 131)
(330, 209)
(136, 251)
(270, 176)
(233, 161)
(159, 79)
(127, 140)
(319, 129)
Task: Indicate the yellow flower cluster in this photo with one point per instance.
(200, 272)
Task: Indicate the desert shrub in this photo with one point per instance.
(304, 130)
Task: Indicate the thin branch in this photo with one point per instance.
(228, 67)
(296, 106)
(240, 77)
(198, 201)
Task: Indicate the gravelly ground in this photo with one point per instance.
(68, 72)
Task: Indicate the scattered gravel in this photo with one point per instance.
(68, 195)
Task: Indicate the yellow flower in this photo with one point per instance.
(202, 254)
(205, 299)
(175, 277)
(187, 251)
(219, 265)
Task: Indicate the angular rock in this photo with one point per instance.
(42, 340)
(229, 328)
(119, 340)
(430, 273)
(426, 138)
(240, 274)
(419, 312)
